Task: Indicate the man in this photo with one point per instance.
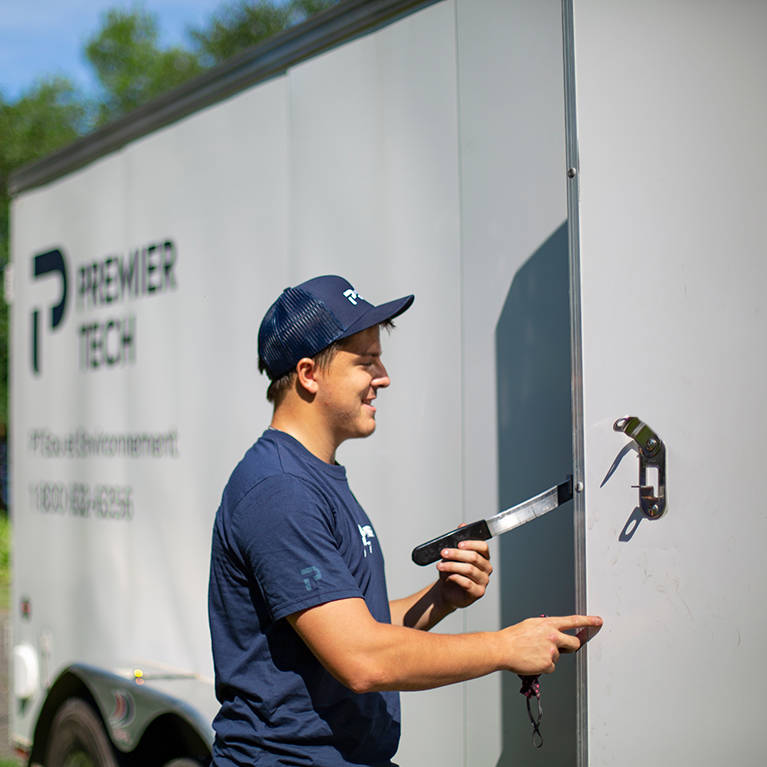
(309, 652)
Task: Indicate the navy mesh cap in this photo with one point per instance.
(311, 316)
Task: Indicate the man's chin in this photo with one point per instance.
(366, 429)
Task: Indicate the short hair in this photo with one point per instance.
(279, 387)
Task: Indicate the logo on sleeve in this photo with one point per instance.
(367, 535)
(311, 576)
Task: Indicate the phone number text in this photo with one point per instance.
(79, 499)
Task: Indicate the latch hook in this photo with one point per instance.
(652, 453)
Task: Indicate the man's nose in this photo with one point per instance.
(381, 379)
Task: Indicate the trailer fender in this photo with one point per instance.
(150, 724)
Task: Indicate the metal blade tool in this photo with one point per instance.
(506, 520)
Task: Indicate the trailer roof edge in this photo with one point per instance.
(338, 24)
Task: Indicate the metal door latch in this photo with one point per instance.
(652, 454)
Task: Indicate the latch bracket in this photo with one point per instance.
(652, 454)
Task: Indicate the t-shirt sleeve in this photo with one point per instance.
(285, 535)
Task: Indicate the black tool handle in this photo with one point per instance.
(431, 551)
(565, 490)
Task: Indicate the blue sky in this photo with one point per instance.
(46, 37)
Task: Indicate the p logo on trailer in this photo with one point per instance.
(50, 262)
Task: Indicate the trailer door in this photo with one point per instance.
(670, 109)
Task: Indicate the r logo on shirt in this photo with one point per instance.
(367, 534)
(311, 576)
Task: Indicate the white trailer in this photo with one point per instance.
(573, 191)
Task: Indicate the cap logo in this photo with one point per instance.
(353, 295)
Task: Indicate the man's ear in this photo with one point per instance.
(306, 375)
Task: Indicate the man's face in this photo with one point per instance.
(348, 385)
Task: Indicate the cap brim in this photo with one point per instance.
(379, 314)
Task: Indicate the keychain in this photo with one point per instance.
(531, 688)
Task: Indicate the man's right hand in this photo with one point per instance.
(536, 643)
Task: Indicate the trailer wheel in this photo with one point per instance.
(78, 739)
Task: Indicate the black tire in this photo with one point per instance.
(77, 738)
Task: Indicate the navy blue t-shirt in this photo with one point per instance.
(290, 535)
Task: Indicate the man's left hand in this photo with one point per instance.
(464, 573)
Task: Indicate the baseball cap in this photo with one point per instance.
(307, 318)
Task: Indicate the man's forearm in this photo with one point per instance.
(422, 610)
(368, 656)
(407, 659)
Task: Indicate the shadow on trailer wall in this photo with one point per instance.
(532, 341)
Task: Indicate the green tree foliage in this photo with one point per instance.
(5, 564)
(52, 113)
(238, 26)
(132, 68)
(130, 65)
(241, 24)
